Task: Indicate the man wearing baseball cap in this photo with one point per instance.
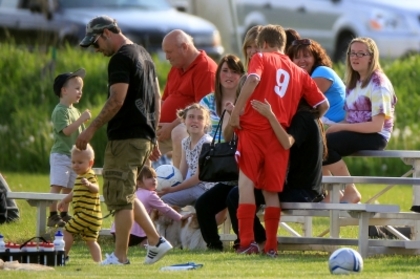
(132, 112)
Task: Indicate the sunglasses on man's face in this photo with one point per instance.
(301, 42)
(95, 42)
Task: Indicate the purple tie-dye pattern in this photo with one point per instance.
(360, 111)
(377, 79)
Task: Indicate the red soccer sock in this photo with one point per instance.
(271, 220)
(246, 215)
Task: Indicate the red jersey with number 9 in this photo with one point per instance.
(283, 84)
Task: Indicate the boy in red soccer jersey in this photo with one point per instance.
(261, 159)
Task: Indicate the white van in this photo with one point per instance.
(393, 24)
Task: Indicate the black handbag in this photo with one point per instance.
(217, 159)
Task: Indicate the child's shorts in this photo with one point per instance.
(61, 173)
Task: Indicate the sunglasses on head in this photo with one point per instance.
(301, 42)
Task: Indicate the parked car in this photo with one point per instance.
(394, 25)
(64, 21)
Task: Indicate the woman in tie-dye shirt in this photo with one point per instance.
(370, 103)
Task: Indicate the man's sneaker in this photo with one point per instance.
(251, 249)
(155, 253)
(66, 218)
(55, 221)
(112, 260)
(272, 254)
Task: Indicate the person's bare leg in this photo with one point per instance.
(143, 219)
(66, 191)
(351, 194)
(54, 189)
(221, 216)
(246, 189)
(326, 172)
(177, 135)
(95, 250)
(68, 242)
(123, 223)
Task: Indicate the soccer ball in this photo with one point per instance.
(168, 176)
(345, 261)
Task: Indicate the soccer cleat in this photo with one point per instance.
(112, 260)
(251, 249)
(155, 253)
(55, 221)
(272, 254)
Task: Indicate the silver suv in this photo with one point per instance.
(146, 22)
(393, 24)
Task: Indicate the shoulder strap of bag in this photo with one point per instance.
(219, 129)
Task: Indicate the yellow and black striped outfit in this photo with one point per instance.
(87, 215)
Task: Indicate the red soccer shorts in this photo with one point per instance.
(262, 159)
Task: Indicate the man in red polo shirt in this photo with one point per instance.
(191, 77)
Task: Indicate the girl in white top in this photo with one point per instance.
(197, 120)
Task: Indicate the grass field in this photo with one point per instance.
(301, 265)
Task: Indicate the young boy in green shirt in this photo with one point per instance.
(67, 125)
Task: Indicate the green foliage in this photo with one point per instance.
(27, 101)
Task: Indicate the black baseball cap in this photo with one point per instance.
(95, 27)
(61, 79)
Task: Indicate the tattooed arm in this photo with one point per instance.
(114, 103)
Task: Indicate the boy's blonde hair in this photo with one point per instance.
(273, 35)
(88, 151)
(182, 114)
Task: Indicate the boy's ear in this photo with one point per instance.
(91, 163)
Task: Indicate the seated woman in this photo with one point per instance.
(306, 140)
(370, 104)
(310, 56)
(210, 206)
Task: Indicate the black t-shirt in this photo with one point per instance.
(133, 65)
(305, 164)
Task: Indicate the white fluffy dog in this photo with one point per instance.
(191, 237)
(166, 227)
(185, 234)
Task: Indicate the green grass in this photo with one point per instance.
(289, 264)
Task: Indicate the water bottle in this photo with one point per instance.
(2, 244)
(59, 248)
(47, 254)
(30, 253)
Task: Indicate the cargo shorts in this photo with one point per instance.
(123, 161)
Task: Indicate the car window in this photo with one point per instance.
(141, 4)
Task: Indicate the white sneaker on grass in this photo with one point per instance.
(155, 253)
(112, 260)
